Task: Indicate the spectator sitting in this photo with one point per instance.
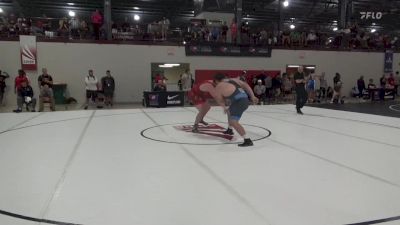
(46, 90)
(159, 77)
(259, 91)
(19, 79)
(3, 85)
(25, 96)
(108, 85)
(160, 86)
(360, 86)
(92, 84)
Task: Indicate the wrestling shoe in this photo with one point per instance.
(247, 142)
(228, 131)
(195, 128)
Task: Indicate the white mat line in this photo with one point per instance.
(21, 123)
(60, 182)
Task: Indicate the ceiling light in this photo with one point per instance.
(310, 67)
(136, 17)
(292, 26)
(184, 42)
(373, 30)
(165, 66)
(71, 13)
(171, 64)
(286, 3)
(373, 24)
(335, 29)
(70, 3)
(1, 10)
(293, 66)
(136, 8)
(335, 21)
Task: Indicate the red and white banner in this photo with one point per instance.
(28, 52)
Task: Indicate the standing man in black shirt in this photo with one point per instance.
(301, 93)
(46, 90)
(108, 85)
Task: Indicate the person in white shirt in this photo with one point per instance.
(92, 85)
(259, 91)
(186, 82)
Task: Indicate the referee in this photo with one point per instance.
(301, 93)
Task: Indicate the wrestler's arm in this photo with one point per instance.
(248, 90)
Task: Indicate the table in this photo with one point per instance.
(381, 94)
(164, 99)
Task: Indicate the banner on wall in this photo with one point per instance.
(226, 50)
(28, 52)
(388, 61)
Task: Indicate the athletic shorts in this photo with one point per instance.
(91, 94)
(237, 108)
(108, 93)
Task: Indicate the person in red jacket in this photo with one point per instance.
(97, 21)
(19, 79)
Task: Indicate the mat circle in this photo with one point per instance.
(147, 133)
(395, 108)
